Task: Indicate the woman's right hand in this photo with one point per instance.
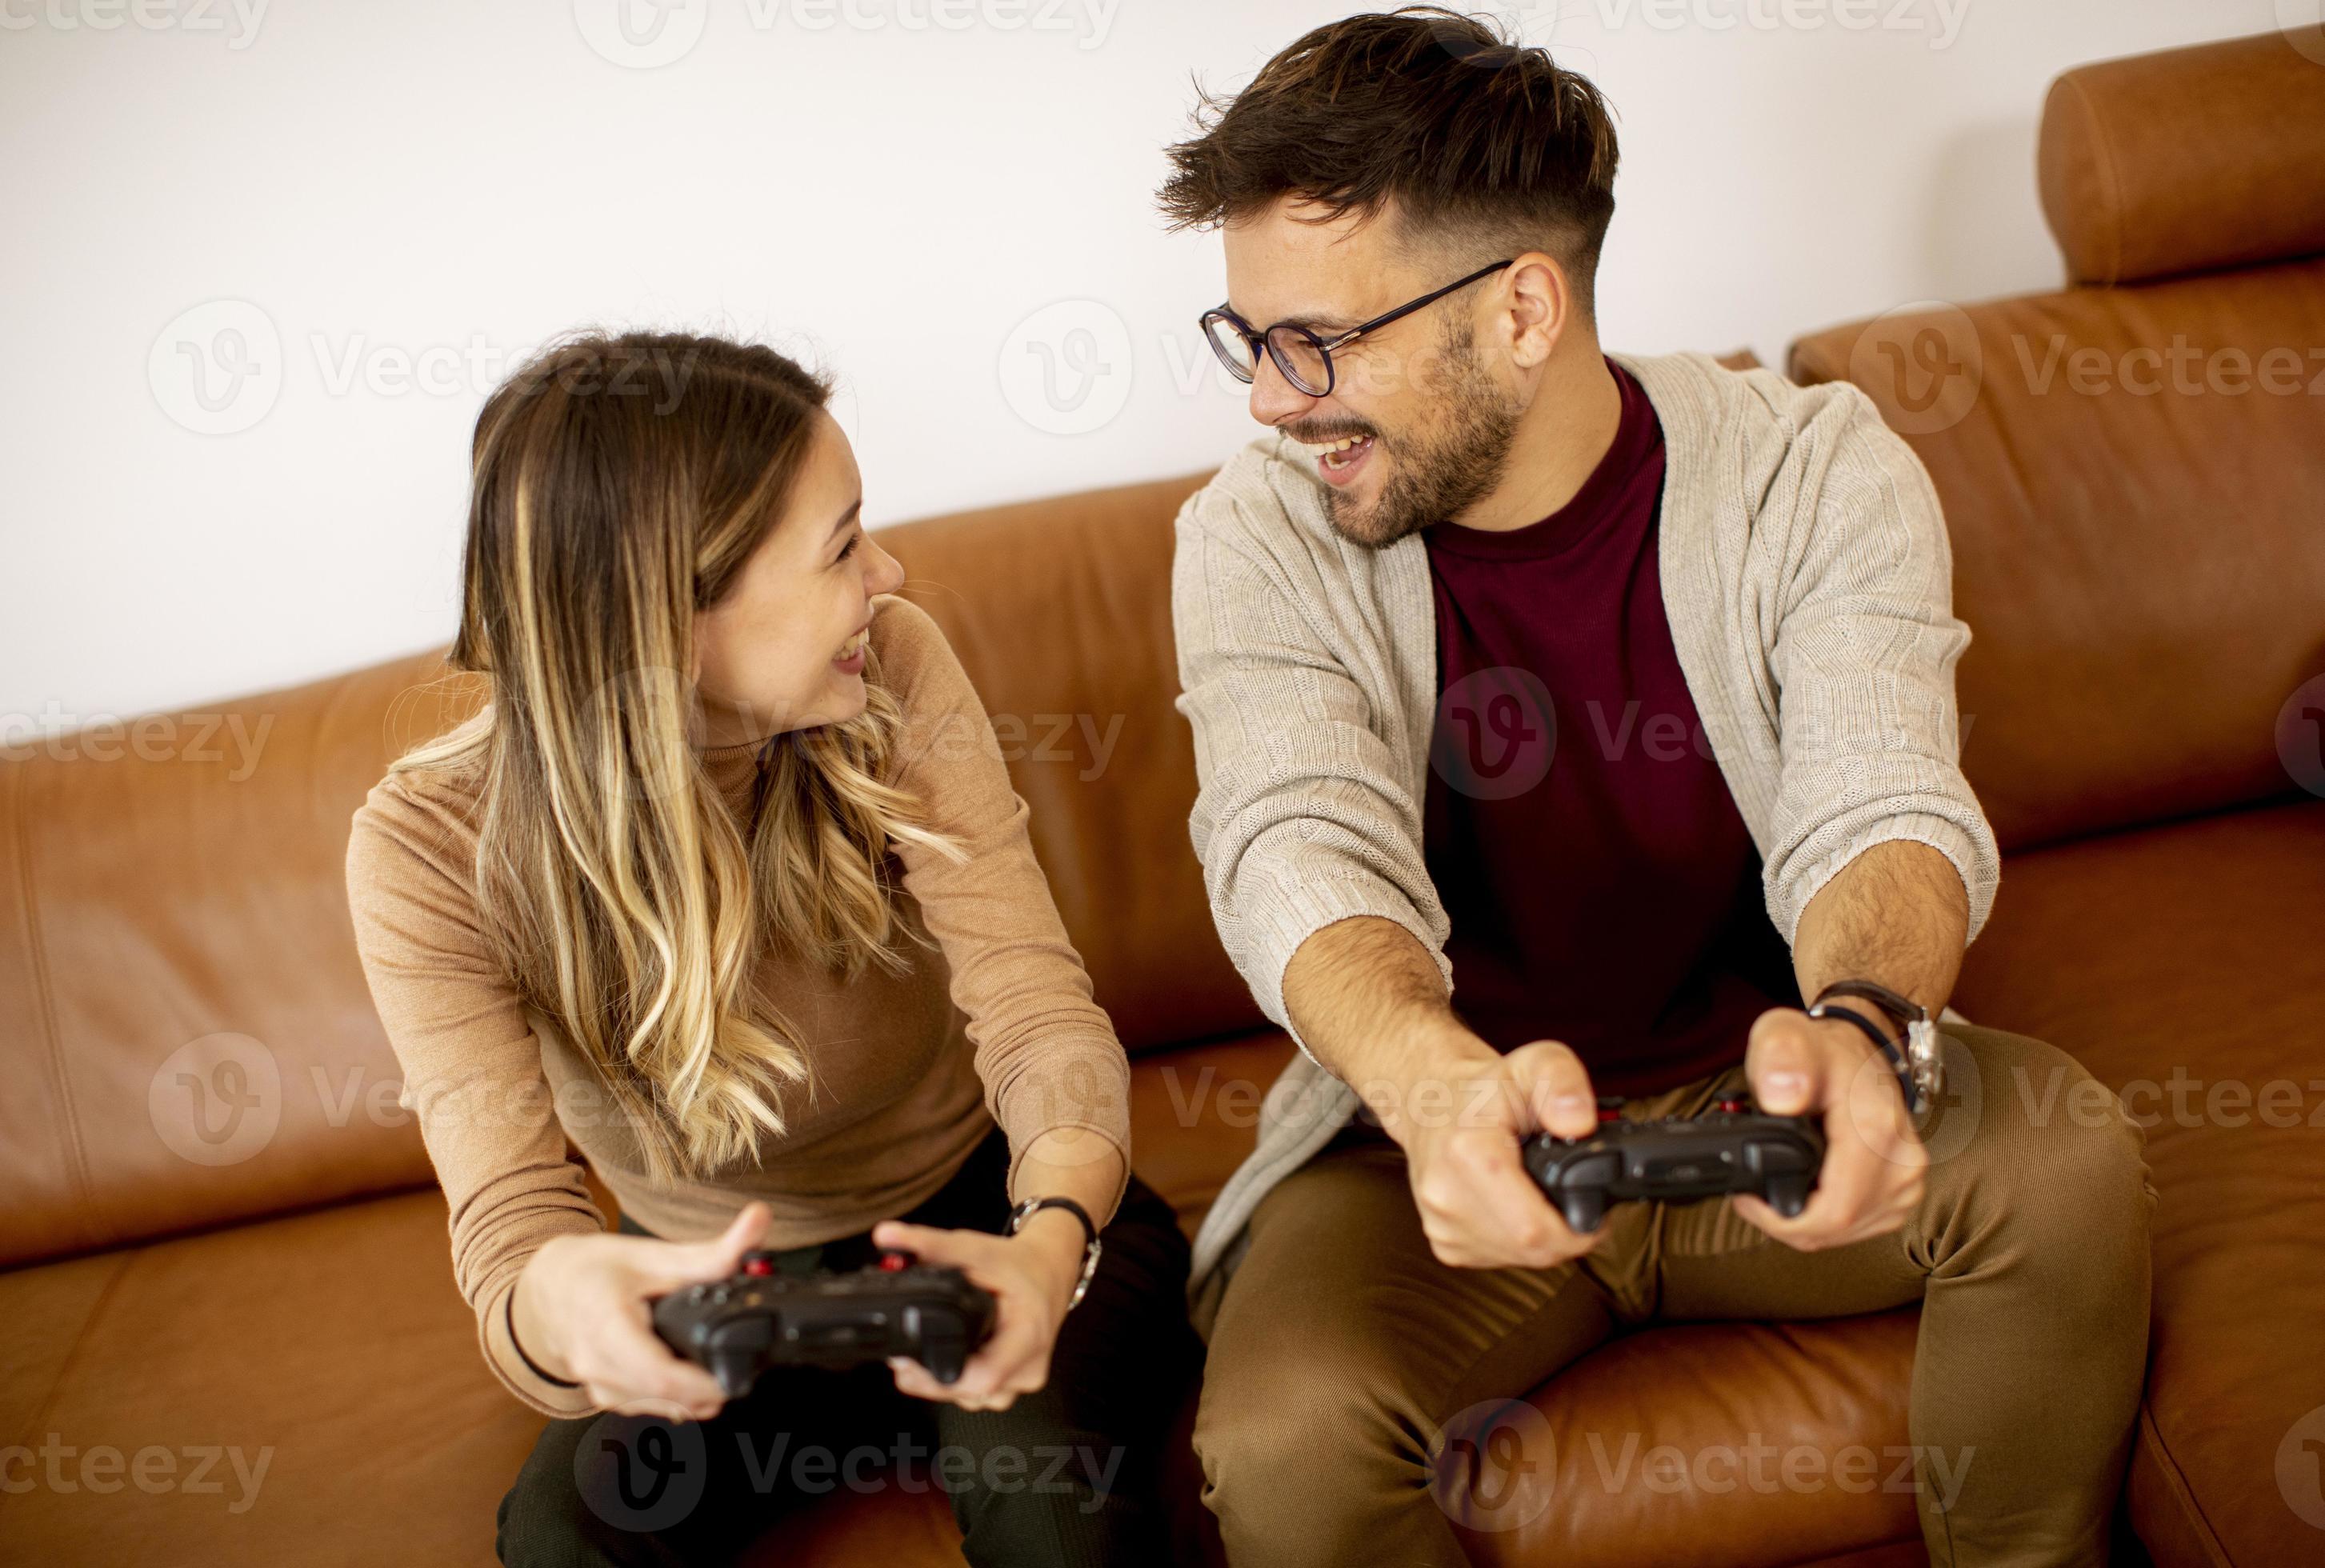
(584, 1312)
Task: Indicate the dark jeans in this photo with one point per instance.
(1067, 1476)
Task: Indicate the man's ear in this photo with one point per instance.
(1541, 305)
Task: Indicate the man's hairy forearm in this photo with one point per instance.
(1371, 1004)
(1897, 914)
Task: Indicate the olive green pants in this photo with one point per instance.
(1343, 1349)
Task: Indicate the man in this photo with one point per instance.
(1543, 700)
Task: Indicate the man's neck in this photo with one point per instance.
(1561, 438)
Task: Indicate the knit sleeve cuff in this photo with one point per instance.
(1290, 912)
(1972, 861)
(538, 1393)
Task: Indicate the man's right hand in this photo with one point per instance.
(1371, 1006)
(1479, 1207)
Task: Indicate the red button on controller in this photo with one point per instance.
(895, 1262)
(759, 1267)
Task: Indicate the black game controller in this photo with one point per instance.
(738, 1327)
(1732, 1148)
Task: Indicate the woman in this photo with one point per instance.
(728, 882)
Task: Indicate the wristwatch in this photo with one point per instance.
(1032, 1206)
(1920, 1070)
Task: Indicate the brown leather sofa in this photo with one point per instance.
(224, 1248)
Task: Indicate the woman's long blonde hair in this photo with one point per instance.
(620, 483)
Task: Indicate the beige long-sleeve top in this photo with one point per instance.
(908, 1072)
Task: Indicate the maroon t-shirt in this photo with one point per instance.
(1602, 888)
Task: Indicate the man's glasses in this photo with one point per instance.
(1305, 358)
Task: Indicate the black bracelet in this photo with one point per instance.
(509, 1314)
(1091, 1249)
(1890, 1050)
(1032, 1206)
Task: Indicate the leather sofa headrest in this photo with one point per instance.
(2191, 160)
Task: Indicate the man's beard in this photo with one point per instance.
(1441, 472)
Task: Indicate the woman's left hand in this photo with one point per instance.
(1031, 1275)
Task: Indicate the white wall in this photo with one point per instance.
(446, 182)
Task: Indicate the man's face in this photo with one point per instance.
(1429, 421)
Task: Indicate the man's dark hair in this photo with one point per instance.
(1474, 142)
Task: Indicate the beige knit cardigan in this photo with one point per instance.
(1808, 582)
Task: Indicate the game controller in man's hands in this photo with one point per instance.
(738, 1327)
(1732, 1148)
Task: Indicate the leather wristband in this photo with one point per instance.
(1917, 1055)
(1881, 1042)
(1092, 1249)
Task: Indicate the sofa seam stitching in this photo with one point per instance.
(81, 1337)
(2184, 1494)
(43, 987)
(2104, 165)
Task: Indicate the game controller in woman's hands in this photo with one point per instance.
(736, 1327)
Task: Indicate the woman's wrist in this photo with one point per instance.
(1053, 1239)
(535, 1346)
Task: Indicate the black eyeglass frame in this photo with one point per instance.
(1257, 341)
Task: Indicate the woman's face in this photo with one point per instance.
(786, 649)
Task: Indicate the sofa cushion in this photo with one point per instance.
(1061, 612)
(329, 1348)
(332, 1346)
(2184, 965)
(2189, 159)
(2141, 567)
(1766, 1421)
(183, 1025)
